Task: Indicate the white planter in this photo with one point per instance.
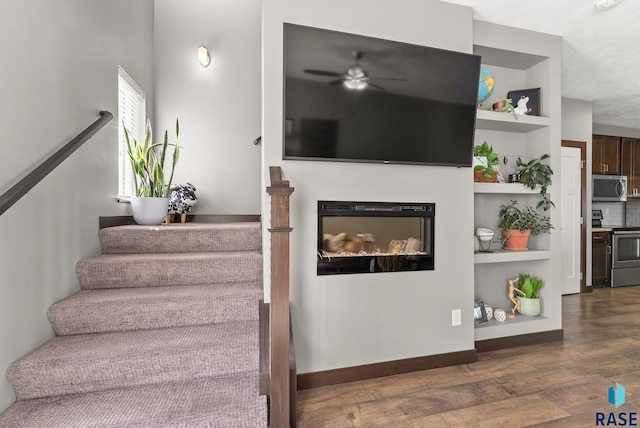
(149, 210)
(529, 307)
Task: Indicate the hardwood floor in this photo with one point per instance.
(558, 384)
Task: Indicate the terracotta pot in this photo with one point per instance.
(479, 177)
(498, 106)
(516, 240)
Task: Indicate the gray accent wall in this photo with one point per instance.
(349, 320)
(219, 105)
(59, 69)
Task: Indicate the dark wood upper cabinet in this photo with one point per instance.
(630, 165)
(606, 155)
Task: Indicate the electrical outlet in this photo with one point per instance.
(456, 317)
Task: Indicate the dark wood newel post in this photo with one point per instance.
(279, 307)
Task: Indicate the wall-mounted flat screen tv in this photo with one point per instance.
(362, 99)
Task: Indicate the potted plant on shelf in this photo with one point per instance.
(484, 161)
(151, 200)
(518, 224)
(534, 173)
(527, 300)
(504, 104)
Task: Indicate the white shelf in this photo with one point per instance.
(506, 122)
(502, 256)
(504, 188)
(511, 327)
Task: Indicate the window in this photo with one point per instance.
(131, 113)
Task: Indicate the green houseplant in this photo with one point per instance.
(535, 173)
(528, 296)
(504, 104)
(518, 224)
(151, 199)
(485, 160)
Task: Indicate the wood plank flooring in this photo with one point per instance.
(558, 384)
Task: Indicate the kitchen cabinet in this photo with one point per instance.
(600, 255)
(605, 155)
(530, 64)
(630, 165)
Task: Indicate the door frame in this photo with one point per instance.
(582, 145)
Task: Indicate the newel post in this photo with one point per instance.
(279, 307)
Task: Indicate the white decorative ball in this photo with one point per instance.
(500, 315)
(489, 310)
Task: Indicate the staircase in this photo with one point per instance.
(164, 333)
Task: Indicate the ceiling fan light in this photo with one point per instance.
(605, 4)
(355, 84)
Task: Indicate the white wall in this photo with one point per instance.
(218, 106)
(348, 320)
(577, 117)
(59, 68)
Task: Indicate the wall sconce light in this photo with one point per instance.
(203, 56)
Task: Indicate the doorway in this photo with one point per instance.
(573, 205)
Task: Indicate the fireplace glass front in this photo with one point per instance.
(368, 237)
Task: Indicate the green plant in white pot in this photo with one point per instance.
(528, 297)
(151, 200)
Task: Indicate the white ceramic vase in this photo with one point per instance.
(149, 210)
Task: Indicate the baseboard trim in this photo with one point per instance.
(195, 218)
(520, 340)
(387, 368)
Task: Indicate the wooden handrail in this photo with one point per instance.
(27, 183)
(279, 322)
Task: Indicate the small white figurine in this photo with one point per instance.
(522, 106)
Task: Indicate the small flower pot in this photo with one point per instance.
(529, 307)
(478, 176)
(516, 240)
(498, 106)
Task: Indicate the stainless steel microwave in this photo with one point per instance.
(609, 188)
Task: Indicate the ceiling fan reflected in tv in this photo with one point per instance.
(356, 98)
(355, 78)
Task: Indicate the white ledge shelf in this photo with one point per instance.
(506, 122)
(504, 188)
(502, 256)
(511, 327)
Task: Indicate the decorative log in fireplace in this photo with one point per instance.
(369, 237)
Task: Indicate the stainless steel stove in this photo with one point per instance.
(625, 256)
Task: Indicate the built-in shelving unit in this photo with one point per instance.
(518, 59)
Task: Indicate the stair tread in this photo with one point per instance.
(188, 237)
(226, 402)
(125, 309)
(165, 269)
(92, 362)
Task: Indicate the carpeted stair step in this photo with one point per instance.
(176, 238)
(126, 309)
(206, 402)
(96, 362)
(155, 270)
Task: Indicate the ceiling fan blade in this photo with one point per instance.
(322, 73)
(380, 88)
(388, 78)
(337, 81)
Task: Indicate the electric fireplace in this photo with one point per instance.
(370, 237)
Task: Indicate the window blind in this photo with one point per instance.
(131, 114)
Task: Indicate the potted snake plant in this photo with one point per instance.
(151, 200)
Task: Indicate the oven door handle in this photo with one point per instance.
(626, 232)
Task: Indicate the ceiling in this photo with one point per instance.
(600, 57)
